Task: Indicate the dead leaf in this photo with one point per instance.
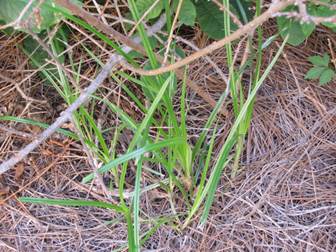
(4, 190)
(19, 169)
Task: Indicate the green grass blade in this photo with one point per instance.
(229, 54)
(182, 107)
(232, 137)
(144, 124)
(97, 132)
(150, 113)
(130, 232)
(200, 192)
(72, 203)
(136, 203)
(143, 34)
(134, 154)
(152, 231)
(208, 124)
(122, 115)
(39, 124)
(168, 11)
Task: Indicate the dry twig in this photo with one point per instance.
(66, 115)
(128, 42)
(274, 8)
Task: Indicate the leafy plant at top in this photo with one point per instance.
(298, 31)
(187, 15)
(243, 10)
(37, 18)
(323, 11)
(321, 69)
(206, 13)
(211, 18)
(144, 5)
(38, 57)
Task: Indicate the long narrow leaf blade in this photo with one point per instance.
(73, 203)
(39, 124)
(132, 155)
(231, 139)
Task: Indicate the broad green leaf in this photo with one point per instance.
(326, 59)
(307, 28)
(211, 19)
(180, 52)
(320, 61)
(8, 31)
(37, 18)
(320, 10)
(327, 76)
(38, 56)
(297, 32)
(187, 13)
(314, 73)
(323, 11)
(136, 55)
(330, 25)
(33, 48)
(184, 155)
(144, 5)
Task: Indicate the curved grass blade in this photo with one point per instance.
(134, 154)
(39, 124)
(232, 138)
(72, 203)
(136, 204)
(200, 192)
(208, 124)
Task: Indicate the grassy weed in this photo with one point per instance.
(190, 171)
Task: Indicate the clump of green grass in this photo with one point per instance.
(170, 147)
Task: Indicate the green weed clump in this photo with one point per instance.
(190, 170)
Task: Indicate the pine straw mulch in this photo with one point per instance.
(282, 200)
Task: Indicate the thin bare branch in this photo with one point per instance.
(170, 37)
(143, 17)
(274, 8)
(76, 10)
(234, 18)
(66, 115)
(90, 19)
